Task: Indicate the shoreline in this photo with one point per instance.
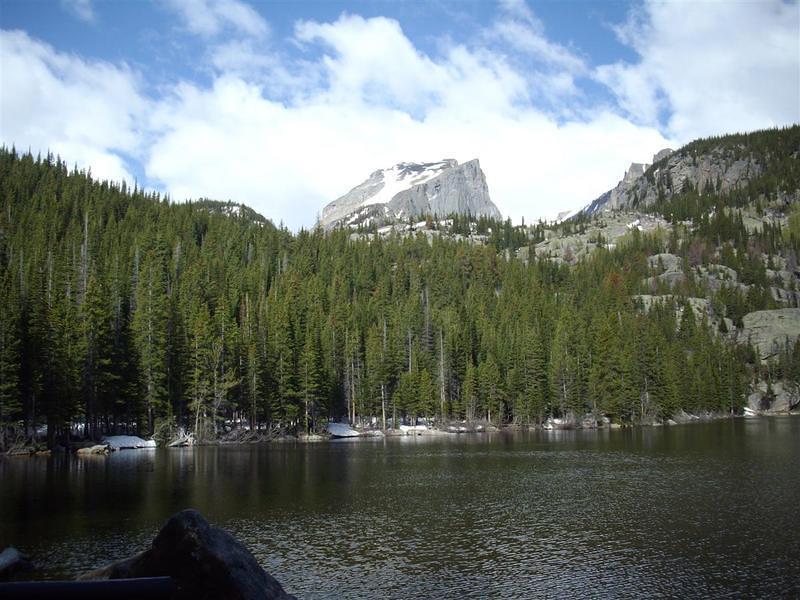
(90, 448)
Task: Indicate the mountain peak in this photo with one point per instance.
(410, 189)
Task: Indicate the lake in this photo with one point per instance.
(709, 509)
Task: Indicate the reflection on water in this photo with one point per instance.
(690, 510)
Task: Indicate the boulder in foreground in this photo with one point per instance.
(205, 562)
(12, 561)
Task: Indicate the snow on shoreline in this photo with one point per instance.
(127, 442)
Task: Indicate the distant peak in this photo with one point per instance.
(414, 188)
(661, 154)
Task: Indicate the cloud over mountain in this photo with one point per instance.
(286, 124)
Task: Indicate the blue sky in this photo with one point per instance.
(286, 105)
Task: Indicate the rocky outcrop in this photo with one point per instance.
(618, 197)
(605, 232)
(95, 449)
(665, 262)
(719, 170)
(411, 190)
(204, 563)
(716, 171)
(12, 561)
(770, 330)
(700, 306)
(671, 274)
(778, 398)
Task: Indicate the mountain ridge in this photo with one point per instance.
(408, 190)
(714, 165)
(616, 197)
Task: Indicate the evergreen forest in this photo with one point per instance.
(125, 312)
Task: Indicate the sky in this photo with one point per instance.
(286, 105)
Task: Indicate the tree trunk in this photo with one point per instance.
(441, 375)
(383, 406)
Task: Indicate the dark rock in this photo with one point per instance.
(205, 562)
(12, 561)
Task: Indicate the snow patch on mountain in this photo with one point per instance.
(404, 176)
(409, 190)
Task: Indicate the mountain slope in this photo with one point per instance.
(618, 196)
(231, 209)
(716, 165)
(409, 190)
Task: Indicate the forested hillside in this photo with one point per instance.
(124, 312)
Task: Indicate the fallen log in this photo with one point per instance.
(96, 449)
(182, 440)
(151, 588)
(20, 451)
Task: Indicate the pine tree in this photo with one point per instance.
(225, 375)
(424, 404)
(10, 365)
(490, 389)
(98, 375)
(311, 385)
(563, 374)
(150, 326)
(687, 326)
(200, 373)
(470, 393)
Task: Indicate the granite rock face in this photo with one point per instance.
(411, 190)
(672, 172)
(781, 398)
(769, 330)
(665, 262)
(204, 562)
(618, 197)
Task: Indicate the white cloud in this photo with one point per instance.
(524, 31)
(636, 89)
(288, 162)
(82, 9)
(88, 112)
(210, 18)
(710, 67)
(289, 133)
(384, 102)
(240, 57)
(374, 62)
(551, 69)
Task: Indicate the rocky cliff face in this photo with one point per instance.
(716, 171)
(770, 330)
(410, 190)
(617, 198)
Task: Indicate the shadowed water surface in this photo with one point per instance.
(696, 510)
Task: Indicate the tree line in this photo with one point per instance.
(125, 312)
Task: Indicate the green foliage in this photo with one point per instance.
(10, 365)
(123, 312)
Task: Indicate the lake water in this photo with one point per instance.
(708, 509)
